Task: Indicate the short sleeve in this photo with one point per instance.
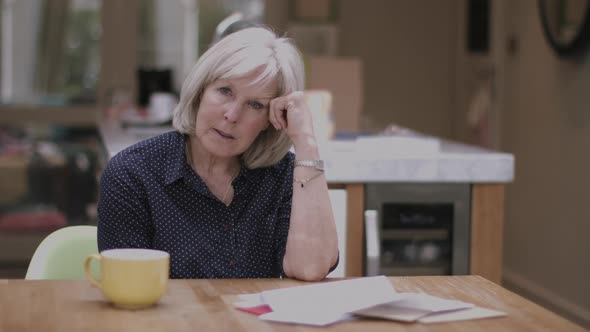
(123, 215)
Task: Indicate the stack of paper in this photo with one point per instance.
(331, 302)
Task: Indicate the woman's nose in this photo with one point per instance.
(232, 112)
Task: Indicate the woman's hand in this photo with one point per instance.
(290, 113)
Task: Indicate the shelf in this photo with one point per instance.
(19, 246)
(83, 116)
(13, 272)
(415, 234)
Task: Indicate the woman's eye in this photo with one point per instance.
(225, 91)
(256, 105)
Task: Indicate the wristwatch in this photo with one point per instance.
(317, 164)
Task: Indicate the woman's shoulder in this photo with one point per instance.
(285, 165)
(151, 151)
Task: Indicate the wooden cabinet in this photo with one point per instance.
(487, 221)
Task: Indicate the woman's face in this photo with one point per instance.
(232, 113)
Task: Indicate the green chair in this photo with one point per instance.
(62, 253)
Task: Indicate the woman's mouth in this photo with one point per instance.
(223, 134)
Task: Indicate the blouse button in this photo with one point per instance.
(232, 262)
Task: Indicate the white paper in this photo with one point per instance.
(466, 314)
(306, 318)
(331, 298)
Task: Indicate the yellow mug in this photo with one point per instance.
(131, 278)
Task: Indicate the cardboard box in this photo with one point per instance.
(343, 77)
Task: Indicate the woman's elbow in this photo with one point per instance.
(307, 272)
(308, 276)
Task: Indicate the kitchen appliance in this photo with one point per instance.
(417, 229)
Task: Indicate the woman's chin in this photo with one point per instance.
(222, 151)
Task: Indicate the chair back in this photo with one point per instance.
(62, 253)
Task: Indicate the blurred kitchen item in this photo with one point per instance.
(47, 176)
(119, 102)
(320, 105)
(158, 112)
(479, 112)
(152, 80)
(37, 219)
(429, 252)
(343, 78)
(315, 39)
(417, 215)
(161, 106)
(13, 178)
(228, 25)
(372, 244)
(399, 141)
(411, 252)
(396, 130)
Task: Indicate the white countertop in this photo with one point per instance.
(376, 160)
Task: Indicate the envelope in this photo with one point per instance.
(413, 307)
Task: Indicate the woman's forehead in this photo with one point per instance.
(251, 84)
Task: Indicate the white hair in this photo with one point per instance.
(238, 55)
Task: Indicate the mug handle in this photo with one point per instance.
(87, 271)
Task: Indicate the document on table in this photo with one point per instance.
(327, 302)
(331, 302)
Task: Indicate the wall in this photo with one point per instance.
(408, 53)
(546, 124)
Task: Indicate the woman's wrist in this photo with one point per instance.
(307, 152)
(306, 147)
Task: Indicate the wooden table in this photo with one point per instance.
(206, 305)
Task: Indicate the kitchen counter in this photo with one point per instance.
(376, 161)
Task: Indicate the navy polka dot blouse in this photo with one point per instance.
(151, 198)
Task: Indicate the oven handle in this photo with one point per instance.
(372, 242)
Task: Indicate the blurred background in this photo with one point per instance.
(484, 73)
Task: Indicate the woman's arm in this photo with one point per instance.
(312, 243)
(123, 217)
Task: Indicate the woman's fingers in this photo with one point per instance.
(277, 116)
(271, 115)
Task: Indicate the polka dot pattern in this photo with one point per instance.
(151, 198)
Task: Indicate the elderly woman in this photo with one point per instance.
(222, 193)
